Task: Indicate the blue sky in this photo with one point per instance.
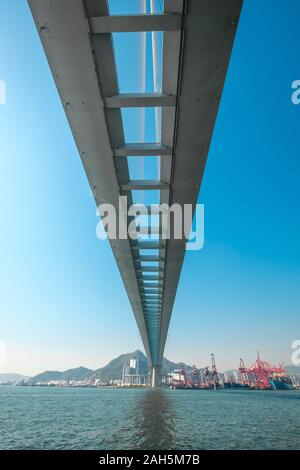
(62, 302)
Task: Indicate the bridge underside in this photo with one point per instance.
(198, 36)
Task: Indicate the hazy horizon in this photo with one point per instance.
(202, 365)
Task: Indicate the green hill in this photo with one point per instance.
(112, 371)
(4, 378)
(169, 366)
(79, 373)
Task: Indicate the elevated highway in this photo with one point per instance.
(198, 37)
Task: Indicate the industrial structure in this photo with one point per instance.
(263, 376)
(260, 376)
(204, 378)
(198, 37)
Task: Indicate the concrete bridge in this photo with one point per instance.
(198, 36)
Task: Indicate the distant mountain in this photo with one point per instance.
(12, 378)
(112, 371)
(79, 373)
(169, 366)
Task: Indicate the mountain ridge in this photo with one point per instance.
(13, 377)
(111, 371)
(77, 373)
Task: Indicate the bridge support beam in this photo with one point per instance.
(155, 376)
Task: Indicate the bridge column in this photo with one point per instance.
(155, 376)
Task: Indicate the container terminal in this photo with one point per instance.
(260, 376)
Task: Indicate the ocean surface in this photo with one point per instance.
(86, 418)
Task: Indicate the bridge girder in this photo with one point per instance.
(197, 43)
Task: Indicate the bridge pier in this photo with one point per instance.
(155, 376)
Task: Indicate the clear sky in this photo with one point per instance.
(62, 302)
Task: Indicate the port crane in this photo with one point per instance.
(261, 371)
(243, 373)
(214, 372)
